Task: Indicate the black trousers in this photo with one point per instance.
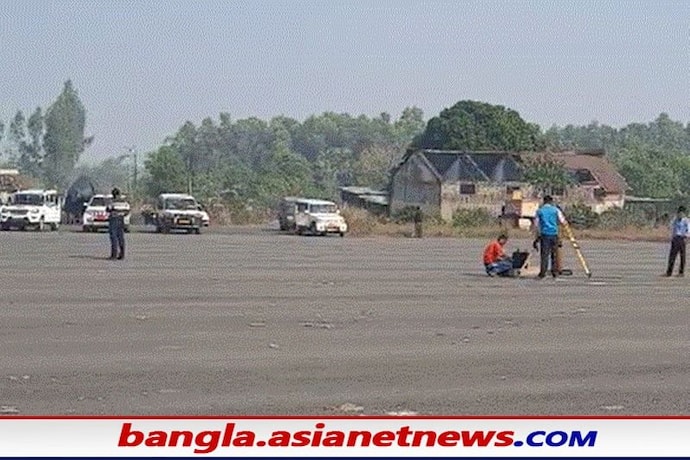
(116, 229)
(677, 247)
(548, 246)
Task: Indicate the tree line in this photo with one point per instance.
(253, 162)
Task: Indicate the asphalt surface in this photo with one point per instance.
(255, 322)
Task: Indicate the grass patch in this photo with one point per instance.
(363, 223)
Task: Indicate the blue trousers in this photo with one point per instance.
(116, 229)
(502, 267)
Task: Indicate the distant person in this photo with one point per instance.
(679, 234)
(117, 210)
(496, 262)
(548, 219)
(418, 218)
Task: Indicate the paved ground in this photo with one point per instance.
(255, 322)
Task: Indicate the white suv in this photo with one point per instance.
(319, 217)
(32, 208)
(179, 211)
(95, 215)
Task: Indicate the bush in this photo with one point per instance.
(622, 218)
(581, 216)
(360, 221)
(404, 215)
(471, 218)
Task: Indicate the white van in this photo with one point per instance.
(318, 217)
(37, 209)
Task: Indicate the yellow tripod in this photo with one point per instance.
(576, 247)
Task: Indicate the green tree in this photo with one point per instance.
(17, 137)
(64, 140)
(31, 156)
(374, 164)
(546, 173)
(408, 126)
(166, 171)
(2, 134)
(472, 125)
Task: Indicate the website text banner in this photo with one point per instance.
(345, 437)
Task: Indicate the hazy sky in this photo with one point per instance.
(142, 68)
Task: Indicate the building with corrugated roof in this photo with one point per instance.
(441, 182)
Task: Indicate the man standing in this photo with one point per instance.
(679, 233)
(495, 260)
(117, 210)
(548, 217)
(418, 218)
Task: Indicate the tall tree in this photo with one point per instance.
(472, 125)
(167, 171)
(2, 132)
(31, 157)
(17, 137)
(409, 125)
(185, 144)
(64, 139)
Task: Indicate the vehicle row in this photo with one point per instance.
(310, 216)
(40, 209)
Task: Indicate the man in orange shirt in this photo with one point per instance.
(495, 260)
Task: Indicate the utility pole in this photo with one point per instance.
(133, 157)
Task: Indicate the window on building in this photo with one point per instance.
(512, 188)
(467, 189)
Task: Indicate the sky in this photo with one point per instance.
(142, 68)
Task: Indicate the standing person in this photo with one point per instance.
(548, 217)
(117, 210)
(418, 219)
(679, 233)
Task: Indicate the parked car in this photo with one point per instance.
(319, 217)
(35, 209)
(95, 216)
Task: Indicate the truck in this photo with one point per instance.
(33, 208)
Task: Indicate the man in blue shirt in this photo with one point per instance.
(679, 233)
(548, 218)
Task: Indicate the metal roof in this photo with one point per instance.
(175, 195)
(314, 201)
(36, 191)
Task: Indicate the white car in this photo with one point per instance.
(95, 216)
(179, 211)
(32, 208)
(319, 217)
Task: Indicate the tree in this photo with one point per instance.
(546, 173)
(31, 156)
(185, 145)
(408, 126)
(472, 125)
(17, 136)
(2, 133)
(374, 164)
(167, 171)
(64, 140)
